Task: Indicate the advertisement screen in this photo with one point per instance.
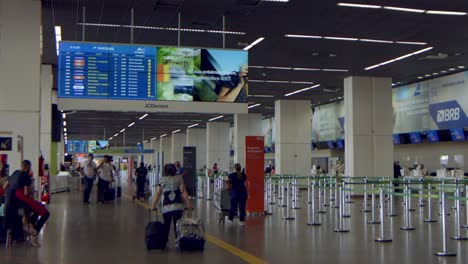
(85, 146)
(138, 72)
(457, 134)
(432, 136)
(415, 137)
(396, 139)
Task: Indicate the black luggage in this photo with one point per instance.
(110, 194)
(119, 192)
(3, 231)
(155, 235)
(190, 234)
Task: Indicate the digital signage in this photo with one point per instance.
(457, 134)
(86, 146)
(415, 137)
(396, 139)
(139, 72)
(432, 136)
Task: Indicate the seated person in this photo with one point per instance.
(19, 187)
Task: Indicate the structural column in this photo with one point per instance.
(165, 149)
(178, 143)
(46, 113)
(293, 121)
(245, 125)
(20, 81)
(196, 137)
(217, 145)
(368, 126)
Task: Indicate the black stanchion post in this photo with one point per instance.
(382, 237)
(444, 252)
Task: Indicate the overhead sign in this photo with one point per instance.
(124, 151)
(150, 73)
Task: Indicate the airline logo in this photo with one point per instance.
(448, 115)
(140, 51)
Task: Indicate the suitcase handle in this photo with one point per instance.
(149, 214)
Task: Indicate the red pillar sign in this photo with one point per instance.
(254, 168)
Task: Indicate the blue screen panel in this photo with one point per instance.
(415, 137)
(331, 144)
(432, 136)
(340, 144)
(396, 139)
(457, 134)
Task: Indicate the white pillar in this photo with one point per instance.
(368, 126)
(20, 68)
(293, 121)
(245, 125)
(196, 137)
(178, 143)
(165, 146)
(46, 112)
(217, 145)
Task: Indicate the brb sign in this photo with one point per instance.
(448, 115)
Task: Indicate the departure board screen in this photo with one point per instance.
(98, 71)
(137, 72)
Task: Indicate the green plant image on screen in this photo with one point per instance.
(207, 75)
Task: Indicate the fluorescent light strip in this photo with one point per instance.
(58, 38)
(130, 125)
(194, 125)
(404, 9)
(277, 68)
(163, 135)
(65, 129)
(64, 123)
(175, 131)
(64, 116)
(146, 141)
(334, 70)
(116, 134)
(111, 138)
(215, 118)
(164, 28)
(143, 116)
(253, 106)
(440, 12)
(273, 81)
(356, 39)
(281, 1)
(397, 59)
(306, 69)
(302, 90)
(121, 131)
(261, 95)
(299, 82)
(254, 43)
(359, 5)
(153, 139)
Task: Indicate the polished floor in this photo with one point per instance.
(113, 233)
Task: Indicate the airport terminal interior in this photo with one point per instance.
(233, 131)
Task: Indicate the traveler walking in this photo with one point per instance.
(141, 173)
(105, 178)
(89, 171)
(238, 193)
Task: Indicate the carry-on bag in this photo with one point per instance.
(155, 234)
(190, 234)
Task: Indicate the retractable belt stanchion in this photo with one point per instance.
(407, 211)
(382, 237)
(325, 187)
(391, 201)
(373, 220)
(346, 206)
(341, 225)
(311, 219)
(444, 252)
(410, 208)
(268, 197)
(365, 204)
(321, 208)
(295, 194)
(466, 207)
(208, 189)
(421, 192)
(284, 197)
(330, 191)
(272, 192)
(288, 203)
(199, 187)
(309, 192)
(458, 235)
(429, 218)
(335, 203)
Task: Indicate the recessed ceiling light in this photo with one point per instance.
(163, 135)
(461, 67)
(277, 68)
(334, 70)
(153, 139)
(397, 59)
(111, 138)
(116, 134)
(306, 69)
(146, 141)
(121, 131)
(355, 39)
(273, 81)
(450, 13)
(452, 69)
(143, 116)
(64, 116)
(64, 123)
(299, 82)
(194, 125)
(302, 36)
(254, 43)
(427, 75)
(131, 124)
(435, 73)
(420, 77)
(65, 129)
(443, 72)
(253, 106)
(302, 90)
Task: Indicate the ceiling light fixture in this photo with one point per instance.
(143, 116)
(404, 9)
(64, 116)
(64, 123)
(281, 1)
(153, 139)
(302, 36)
(273, 81)
(254, 43)
(277, 68)
(356, 39)
(215, 118)
(300, 82)
(397, 59)
(302, 90)
(411, 43)
(164, 28)
(163, 135)
(334, 70)
(341, 38)
(131, 124)
(194, 125)
(116, 134)
(175, 131)
(121, 131)
(65, 129)
(461, 67)
(450, 13)
(253, 106)
(420, 77)
(377, 41)
(261, 95)
(58, 38)
(306, 69)
(146, 141)
(359, 5)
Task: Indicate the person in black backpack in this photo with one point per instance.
(141, 173)
(237, 181)
(174, 193)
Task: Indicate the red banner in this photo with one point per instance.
(254, 168)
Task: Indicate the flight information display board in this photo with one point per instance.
(104, 71)
(136, 72)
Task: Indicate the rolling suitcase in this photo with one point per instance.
(190, 234)
(155, 234)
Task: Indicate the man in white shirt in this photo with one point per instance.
(89, 171)
(105, 178)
